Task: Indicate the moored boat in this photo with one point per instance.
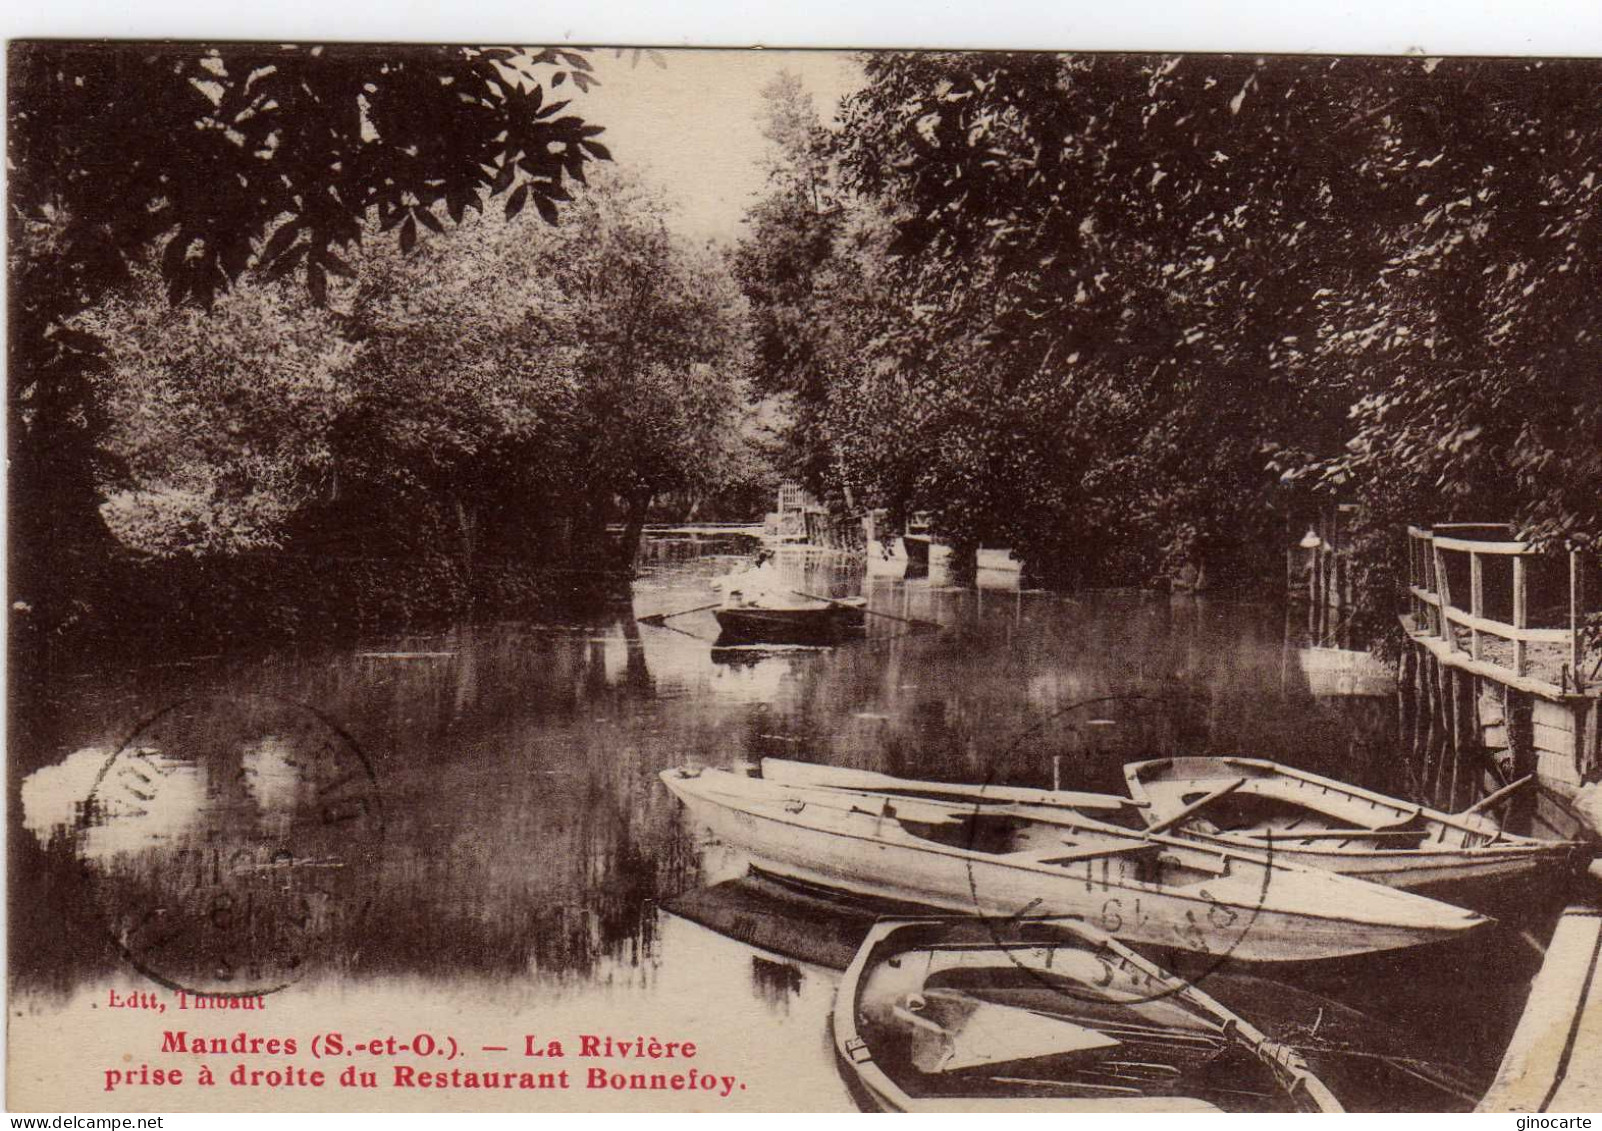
(1370, 1051)
(938, 1015)
(918, 539)
(806, 622)
(1324, 823)
(1344, 671)
(1012, 859)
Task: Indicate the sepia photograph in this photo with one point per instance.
(587, 578)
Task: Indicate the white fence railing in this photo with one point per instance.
(1437, 609)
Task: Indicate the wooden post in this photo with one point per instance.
(1476, 601)
(1576, 620)
(1432, 741)
(1521, 613)
(1406, 712)
(1443, 593)
(1470, 743)
(1518, 711)
(1426, 554)
(1450, 776)
(1588, 740)
(1446, 765)
(1412, 575)
(1335, 571)
(1426, 709)
(1445, 771)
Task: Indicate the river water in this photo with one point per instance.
(535, 877)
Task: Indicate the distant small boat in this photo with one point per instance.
(1325, 823)
(1027, 1015)
(999, 559)
(1342, 671)
(917, 539)
(1018, 859)
(809, 622)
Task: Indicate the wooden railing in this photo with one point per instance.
(1436, 609)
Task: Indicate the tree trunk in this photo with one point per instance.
(61, 547)
(634, 528)
(964, 563)
(468, 526)
(589, 530)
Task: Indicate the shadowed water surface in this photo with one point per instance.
(528, 846)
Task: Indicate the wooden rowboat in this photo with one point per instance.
(1030, 1015)
(1328, 824)
(918, 541)
(841, 777)
(812, 622)
(1371, 1057)
(1015, 859)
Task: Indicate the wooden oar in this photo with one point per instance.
(659, 620)
(914, 621)
(1336, 834)
(873, 803)
(1494, 799)
(869, 781)
(1200, 803)
(675, 628)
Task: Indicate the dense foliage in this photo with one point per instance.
(504, 392)
(220, 161)
(1136, 311)
(1127, 315)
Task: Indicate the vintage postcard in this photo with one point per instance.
(591, 579)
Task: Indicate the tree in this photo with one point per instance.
(781, 264)
(502, 392)
(226, 159)
(660, 334)
(1110, 233)
(1187, 272)
(622, 348)
(220, 420)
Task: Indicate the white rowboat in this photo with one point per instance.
(972, 1016)
(1013, 860)
(1325, 823)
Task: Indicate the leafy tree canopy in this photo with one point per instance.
(484, 389)
(223, 160)
(1143, 302)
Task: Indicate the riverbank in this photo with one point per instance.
(544, 737)
(194, 605)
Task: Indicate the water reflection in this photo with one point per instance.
(526, 830)
(777, 983)
(527, 839)
(1364, 1049)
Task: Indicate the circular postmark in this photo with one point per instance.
(231, 843)
(1192, 901)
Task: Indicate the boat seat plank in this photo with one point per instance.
(1055, 856)
(1335, 834)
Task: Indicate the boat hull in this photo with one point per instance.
(1251, 909)
(1089, 981)
(821, 624)
(1466, 858)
